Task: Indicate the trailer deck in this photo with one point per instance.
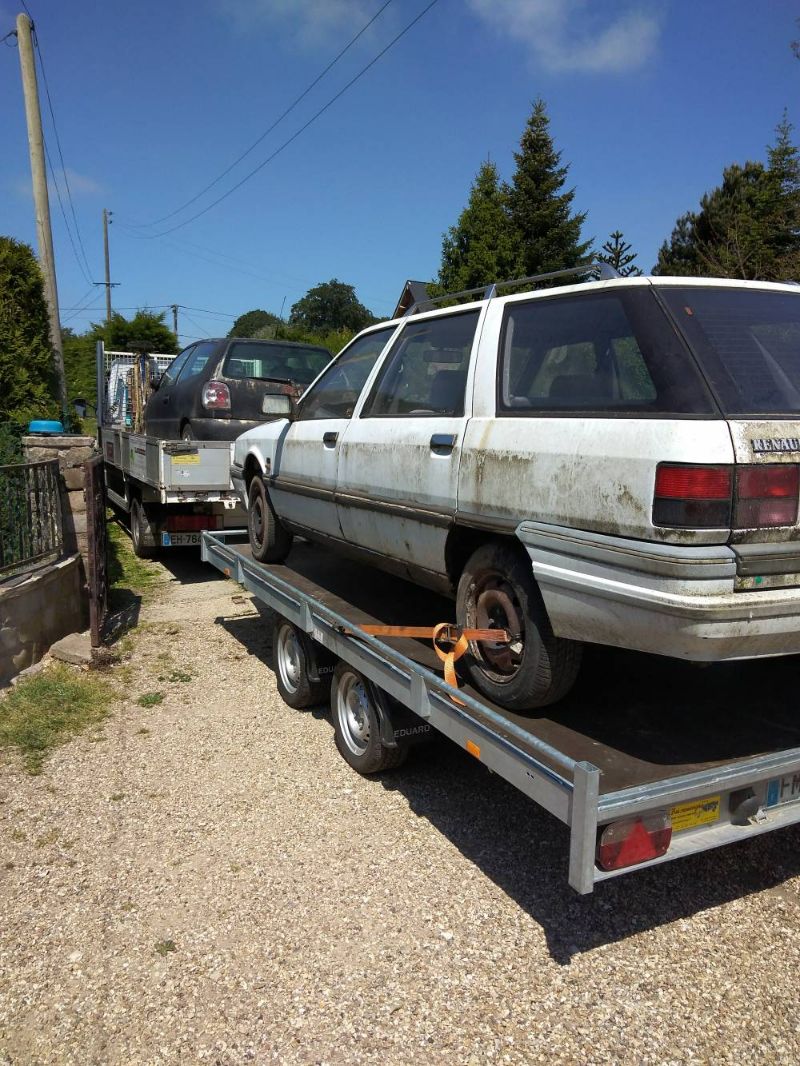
(716, 749)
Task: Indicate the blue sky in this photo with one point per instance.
(648, 103)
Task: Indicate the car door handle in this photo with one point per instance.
(443, 442)
(329, 439)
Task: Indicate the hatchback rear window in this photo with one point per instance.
(275, 362)
(601, 354)
(748, 343)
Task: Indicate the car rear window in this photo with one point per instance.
(275, 361)
(602, 354)
(748, 343)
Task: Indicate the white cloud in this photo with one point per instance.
(575, 35)
(79, 185)
(309, 22)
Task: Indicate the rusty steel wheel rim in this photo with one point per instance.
(497, 607)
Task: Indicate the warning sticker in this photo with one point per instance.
(183, 460)
(694, 813)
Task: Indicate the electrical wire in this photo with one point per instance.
(303, 128)
(278, 120)
(192, 322)
(82, 268)
(87, 297)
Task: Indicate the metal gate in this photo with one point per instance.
(97, 562)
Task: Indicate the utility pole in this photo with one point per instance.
(44, 234)
(109, 284)
(175, 319)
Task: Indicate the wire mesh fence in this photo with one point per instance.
(30, 515)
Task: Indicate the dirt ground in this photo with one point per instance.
(205, 880)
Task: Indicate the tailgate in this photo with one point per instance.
(195, 465)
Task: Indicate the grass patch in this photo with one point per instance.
(47, 709)
(165, 947)
(181, 676)
(129, 578)
(151, 699)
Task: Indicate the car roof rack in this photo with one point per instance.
(604, 271)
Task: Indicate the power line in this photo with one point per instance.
(60, 152)
(278, 120)
(302, 129)
(81, 267)
(193, 323)
(87, 296)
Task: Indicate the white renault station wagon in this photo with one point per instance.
(614, 462)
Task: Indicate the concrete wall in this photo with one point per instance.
(36, 610)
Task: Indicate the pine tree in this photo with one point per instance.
(481, 247)
(617, 253)
(784, 172)
(549, 233)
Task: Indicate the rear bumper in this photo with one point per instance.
(666, 599)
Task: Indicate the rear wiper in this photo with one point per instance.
(281, 381)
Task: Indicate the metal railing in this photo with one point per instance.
(30, 515)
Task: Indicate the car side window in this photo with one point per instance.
(425, 374)
(603, 353)
(336, 392)
(175, 367)
(198, 360)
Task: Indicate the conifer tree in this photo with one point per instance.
(548, 231)
(618, 254)
(481, 247)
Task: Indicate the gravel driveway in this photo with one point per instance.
(207, 881)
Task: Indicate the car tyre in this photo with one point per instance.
(144, 533)
(291, 663)
(356, 725)
(269, 540)
(497, 590)
(187, 433)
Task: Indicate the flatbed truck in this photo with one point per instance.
(647, 761)
(170, 490)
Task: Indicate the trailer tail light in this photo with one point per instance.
(766, 496)
(216, 396)
(634, 840)
(192, 523)
(698, 497)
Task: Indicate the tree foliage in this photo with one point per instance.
(747, 227)
(27, 374)
(482, 246)
(330, 306)
(541, 212)
(618, 253)
(251, 322)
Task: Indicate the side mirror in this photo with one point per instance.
(80, 406)
(278, 405)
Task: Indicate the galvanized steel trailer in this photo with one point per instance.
(635, 787)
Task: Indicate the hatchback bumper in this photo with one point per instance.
(661, 598)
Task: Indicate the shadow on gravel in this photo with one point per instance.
(186, 566)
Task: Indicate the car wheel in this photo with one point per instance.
(187, 433)
(144, 534)
(269, 540)
(291, 658)
(497, 591)
(356, 726)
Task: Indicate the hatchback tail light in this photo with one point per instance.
(714, 497)
(216, 396)
(634, 840)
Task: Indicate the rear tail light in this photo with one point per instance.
(695, 496)
(766, 496)
(719, 497)
(216, 396)
(634, 840)
(186, 523)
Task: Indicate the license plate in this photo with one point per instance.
(784, 789)
(179, 540)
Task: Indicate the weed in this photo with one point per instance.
(151, 699)
(45, 710)
(177, 675)
(49, 838)
(117, 796)
(18, 835)
(143, 732)
(164, 947)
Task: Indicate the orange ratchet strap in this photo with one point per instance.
(449, 641)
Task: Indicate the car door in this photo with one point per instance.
(304, 479)
(158, 413)
(398, 467)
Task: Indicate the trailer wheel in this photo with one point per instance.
(290, 650)
(497, 590)
(356, 725)
(269, 540)
(144, 533)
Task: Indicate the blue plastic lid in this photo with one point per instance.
(45, 425)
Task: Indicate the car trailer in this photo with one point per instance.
(627, 808)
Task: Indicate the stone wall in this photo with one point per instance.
(72, 453)
(36, 610)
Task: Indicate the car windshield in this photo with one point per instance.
(747, 342)
(275, 361)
